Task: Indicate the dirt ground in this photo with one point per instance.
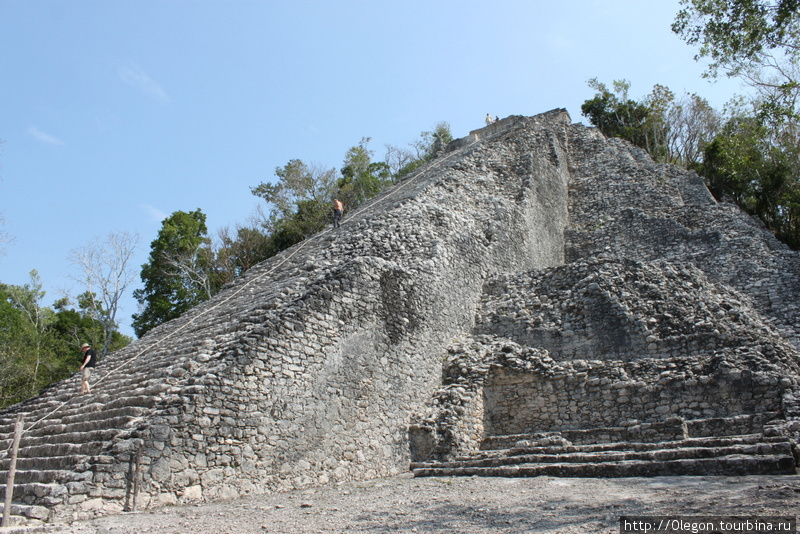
(472, 505)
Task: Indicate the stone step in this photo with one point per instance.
(524, 442)
(44, 493)
(121, 411)
(657, 455)
(64, 446)
(128, 383)
(26, 518)
(42, 480)
(737, 424)
(63, 457)
(41, 405)
(522, 447)
(71, 432)
(552, 455)
(671, 429)
(112, 415)
(655, 433)
(50, 450)
(65, 462)
(36, 490)
(81, 407)
(29, 526)
(85, 434)
(720, 466)
(41, 476)
(116, 386)
(54, 456)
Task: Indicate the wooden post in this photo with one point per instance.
(136, 476)
(132, 484)
(12, 470)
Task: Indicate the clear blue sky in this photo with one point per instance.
(114, 114)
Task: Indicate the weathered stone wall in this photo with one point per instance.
(587, 395)
(497, 392)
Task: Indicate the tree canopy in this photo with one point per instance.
(739, 34)
(755, 159)
(179, 272)
(743, 155)
(39, 344)
(757, 41)
(298, 202)
(670, 130)
(362, 178)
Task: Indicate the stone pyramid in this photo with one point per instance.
(536, 292)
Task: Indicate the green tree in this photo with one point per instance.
(617, 115)
(404, 161)
(734, 160)
(298, 204)
(439, 138)
(27, 299)
(657, 126)
(297, 183)
(18, 341)
(39, 344)
(237, 252)
(179, 273)
(744, 164)
(757, 41)
(362, 178)
(30, 354)
(74, 326)
(693, 123)
(755, 159)
(670, 130)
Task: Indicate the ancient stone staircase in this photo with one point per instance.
(76, 451)
(616, 452)
(67, 438)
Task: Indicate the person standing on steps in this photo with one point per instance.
(489, 119)
(89, 361)
(337, 212)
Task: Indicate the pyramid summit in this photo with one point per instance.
(538, 299)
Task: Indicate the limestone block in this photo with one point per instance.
(91, 504)
(193, 493)
(160, 471)
(77, 498)
(37, 512)
(166, 499)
